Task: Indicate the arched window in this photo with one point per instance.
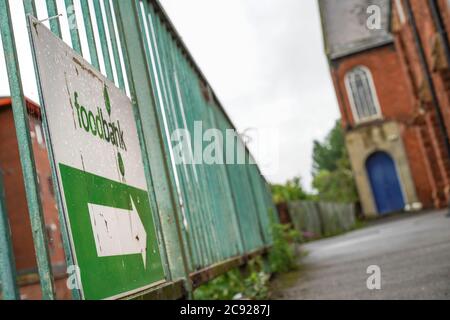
(362, 94)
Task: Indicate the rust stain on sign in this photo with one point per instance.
(89, 71)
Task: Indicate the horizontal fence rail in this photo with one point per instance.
(209, 216)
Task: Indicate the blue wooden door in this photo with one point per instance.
(385, 184)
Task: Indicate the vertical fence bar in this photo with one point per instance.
(162, 103)
(248, 205)
(103, 41)
(201, 216)
(236, 228)
(145, 158)
(190, 198)
(73, 26)
(29, 6)
(174, 115)
(90, 33)
(115, 49)
(257, 198)
(142, 143)
(158, 90)
(26, 153)
(139, 81)
(52, 11)
(7, 263)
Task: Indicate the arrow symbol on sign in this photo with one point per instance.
(118, 232)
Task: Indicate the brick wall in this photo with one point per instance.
(397, 103)
(432, 136)
(15, 193)
(389, 79)
(16, 204)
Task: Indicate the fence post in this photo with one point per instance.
(30, 9)
(7, 263)
(26, 153)
(141, 91)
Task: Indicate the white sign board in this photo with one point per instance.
(98, 159)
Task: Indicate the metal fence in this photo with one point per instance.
(210, 217)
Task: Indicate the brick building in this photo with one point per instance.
(395, 143)
(16, 204)
(424, 56)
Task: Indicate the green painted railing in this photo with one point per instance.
(210, 217)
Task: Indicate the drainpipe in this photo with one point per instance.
(428, 78)
(440, 28)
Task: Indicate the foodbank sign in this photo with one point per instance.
(97, 126)
(101, 179)
(108, 131)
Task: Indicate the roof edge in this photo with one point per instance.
(360, 49)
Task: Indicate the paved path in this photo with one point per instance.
(413, 253)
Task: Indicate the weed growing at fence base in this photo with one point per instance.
(282, 256)
(252, 281)
(248, 283)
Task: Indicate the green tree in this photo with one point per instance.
(332, 175)
(327, 153)
(337, 185)
(292, 190)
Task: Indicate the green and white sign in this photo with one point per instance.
(101, 178)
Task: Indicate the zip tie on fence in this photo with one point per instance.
(51, 18)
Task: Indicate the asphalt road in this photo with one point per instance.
(413, 253)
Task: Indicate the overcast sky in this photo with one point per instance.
(265, 61)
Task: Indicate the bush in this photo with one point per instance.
(292, 190)
(282, 256)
